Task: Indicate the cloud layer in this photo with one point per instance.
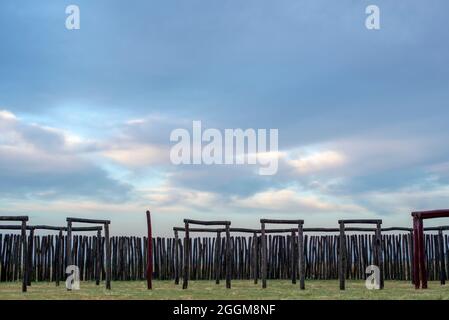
(86, 116)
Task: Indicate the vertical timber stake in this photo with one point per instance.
(342, 257)
(150, 253)
(301, 261)
(176, 257)
(25, 272)
(60, 255)
(264, 256)
(98, 261)
(185, 280)
(108, 256)
(228, 258)
(68, 245)
(217, 258)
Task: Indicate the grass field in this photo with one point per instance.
(277, 289)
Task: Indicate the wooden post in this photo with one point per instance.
(60, 255)
(301, 260)
(378, 239)
(416, 253)
(422, 256)
(98, 260)
(293, 256)
(185, 280)
(24, 256)
(217, 259)
(342, 257)
(441, 254)
(176, 257)
(264, 256)
(30, 257)
(68, 245)
(412, 257)
(108, 256)
(150, 253)
(255, 257)
(228, 258)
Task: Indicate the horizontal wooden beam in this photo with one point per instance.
(316, 230)
(50, 228)
(442, 228)
(9, 227)
(442, 213)
(182, 229)
(244, 230)
(349, 229)
(360, 221)
(397, 229)
(13, 218)
(81, 229)
(207, 223)
(93, 221)
(280, 221)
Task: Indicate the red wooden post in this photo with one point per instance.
(416, 279)
(150, 253)
(419, 261)
(422, 255)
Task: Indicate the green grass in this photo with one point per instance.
(277, 289)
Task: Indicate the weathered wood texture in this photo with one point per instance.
(47, 257)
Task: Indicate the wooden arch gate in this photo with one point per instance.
(419, 256)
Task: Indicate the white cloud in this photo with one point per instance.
(45, 162)
(138, 155)
(292, 200)
(6, 115)
(171, 199)
(318, 161)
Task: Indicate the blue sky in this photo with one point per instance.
(86, 114)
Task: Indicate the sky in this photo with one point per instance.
(86, 115)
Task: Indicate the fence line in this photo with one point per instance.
(129, 257)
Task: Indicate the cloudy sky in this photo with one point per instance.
(86, 115)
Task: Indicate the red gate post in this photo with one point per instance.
(419, 261)
(422, 255)
(150, 253)
(416, 279)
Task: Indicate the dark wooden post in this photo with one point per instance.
(98, 260)
(25, 256)
(68, 245)
(30, 256)
(217, 259)
(255, 257)
(59, 257)
(108, 256)
(441, 254)
(412, 257)
(378, 239)
(176, 257)
(228, 258)
(342, 257)
(293, 256)
(150, 253)
(185, 280)
(264, 256)
(301, 259)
